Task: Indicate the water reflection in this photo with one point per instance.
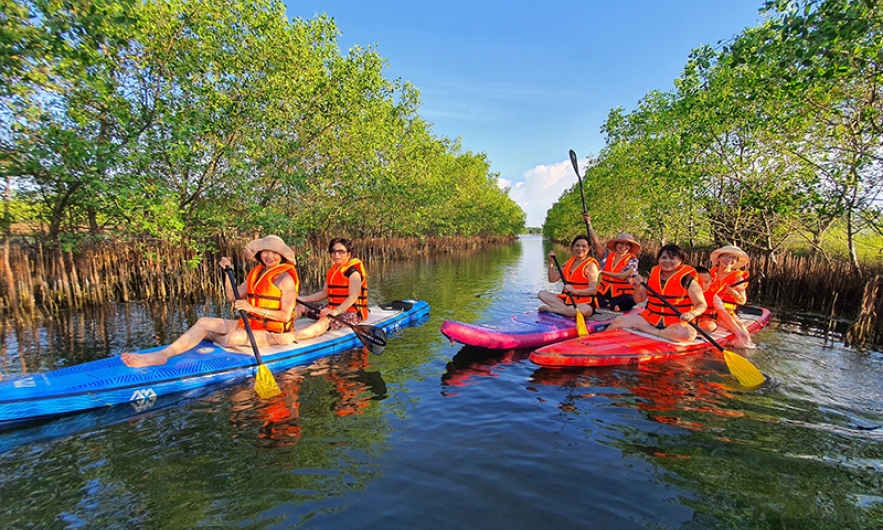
(435, 435)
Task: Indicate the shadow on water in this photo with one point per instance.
(436, 435)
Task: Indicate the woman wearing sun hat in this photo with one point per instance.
(728, 262)
(345, 288)
(268, 296)
(620, 261)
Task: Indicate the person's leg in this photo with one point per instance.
(742, 337)
(636, 322)
(554, 304)
(189, 339)
(239, 337)
(708, 326)
(313, 330)
(678, 332)
(623, 302)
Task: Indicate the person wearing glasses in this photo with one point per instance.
(345, 288)
(268, 297)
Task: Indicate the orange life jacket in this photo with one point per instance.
(578, 279)
(615, 286)
(710, 312)
(262, 292)
(673, 291)
(339, 287)
(725, 281)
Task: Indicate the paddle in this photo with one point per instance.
(746, 373)
(371, 337)
(575, 162)
(264, 383)
(581, 329)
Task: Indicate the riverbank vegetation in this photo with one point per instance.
(164, 118)
(189, 122)
(770, 141)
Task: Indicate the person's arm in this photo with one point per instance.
(738, 293)
(593, 237)
(640, 293)
(553, 270)
(698, 299)
(592, 275)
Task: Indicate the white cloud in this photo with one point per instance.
(541, 187)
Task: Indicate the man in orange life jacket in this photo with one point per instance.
(268, 296)
(346, 288)
(676, 282)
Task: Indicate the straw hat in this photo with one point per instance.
(742, 257)
(273, 243)
(624, 237)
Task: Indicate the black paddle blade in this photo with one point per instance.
(575, 161)
(373, 338)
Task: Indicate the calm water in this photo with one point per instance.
(432, 435)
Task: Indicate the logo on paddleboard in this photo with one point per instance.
(27, 382)
(143, 399)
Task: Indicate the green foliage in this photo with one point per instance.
(767, 142)
(167, 117)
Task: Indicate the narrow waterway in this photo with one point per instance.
(433, 435)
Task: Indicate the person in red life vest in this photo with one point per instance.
(675, 281)
(716, 313)
(618, 264)
(581, 281)
(345, 287)
(268, 296)
(729, 262)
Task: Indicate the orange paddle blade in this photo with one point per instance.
(264, 384)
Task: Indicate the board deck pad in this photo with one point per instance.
(108, 381)
(523, 330)
(630, 347)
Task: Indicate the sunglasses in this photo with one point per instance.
(338, 251)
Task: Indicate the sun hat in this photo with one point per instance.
(624, 237)
(273, 243)
(742, 257)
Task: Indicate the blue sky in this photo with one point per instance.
(525, 81)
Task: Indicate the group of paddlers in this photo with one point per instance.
(676, 293)
(269, 298)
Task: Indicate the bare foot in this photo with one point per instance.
(544, 309)
(139, 360)
(280, 339)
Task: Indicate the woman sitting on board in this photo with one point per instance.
(728, 273)
(618, 262)
(716, 313)
(580, 282)
(345, 287)
(268, 294)
(675, 281)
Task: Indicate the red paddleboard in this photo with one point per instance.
(622, 346)
(525, 330)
